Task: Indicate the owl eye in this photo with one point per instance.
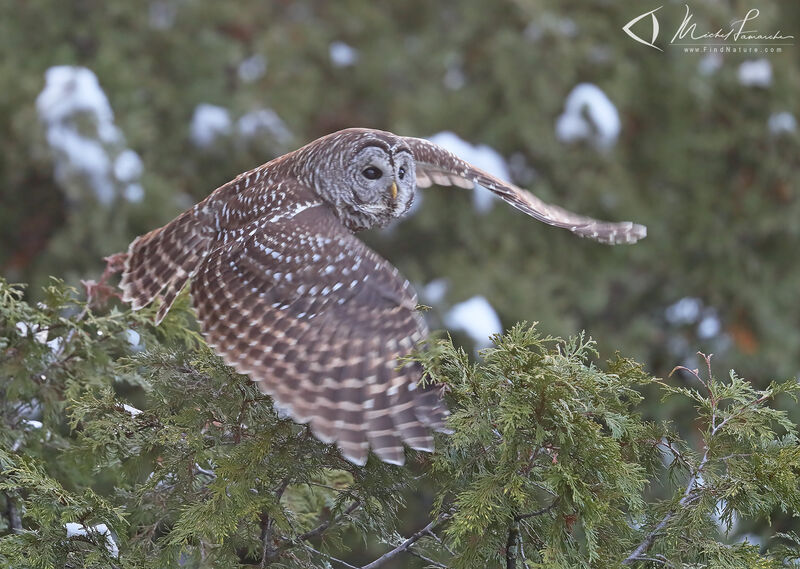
(372, 173)
(401, 173)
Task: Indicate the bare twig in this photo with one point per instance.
(744, 407)
(535, 513)
(648, 541)
(268, 549)
(205, 471)
(696, 473)
(522, 553)
(675, 452)
(407, 543)
(440, 542)
(330, 557)
(735, 455)
(403, 547)
(651, 559)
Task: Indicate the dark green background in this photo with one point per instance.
(695, 160)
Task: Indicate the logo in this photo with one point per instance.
(651, 43)
(742, 35)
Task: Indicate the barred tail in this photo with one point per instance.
(160, 262)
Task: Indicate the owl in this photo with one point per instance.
(286, 293)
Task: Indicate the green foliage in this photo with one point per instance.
(538, 428)
(108, 420)
(197, 477)
(695, 161)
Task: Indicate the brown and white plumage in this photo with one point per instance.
(436, 165)
(286, 293)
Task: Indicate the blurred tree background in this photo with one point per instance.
(706, 155)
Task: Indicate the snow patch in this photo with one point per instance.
(128, 166)
(252, 68)
(755, 73)
(342, 54)
(454, 78)
(283, 411)
(691, 311)
(479, 155)
(85, 148)
(72, 90)
(209, 122)
(133, 337)
(162, 14)
(783, 122)
(589, 115)
(24, 328)
(476, 318)
(132, 410)
(751, 539)
(684, 311)
(56, 344)
(134, 193)
(80, 530)
(709, 64)
(28, 409)
(40, 336)
(434, 291)
(255, 123)
(709, 326)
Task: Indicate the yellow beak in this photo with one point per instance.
(394, 190)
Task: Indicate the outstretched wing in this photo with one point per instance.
(435, 165)
(319, 321)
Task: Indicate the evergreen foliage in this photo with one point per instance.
(126, 445)
(698, 160)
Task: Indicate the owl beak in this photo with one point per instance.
(394, 190)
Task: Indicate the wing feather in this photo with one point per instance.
(320, 321)
(435, 165)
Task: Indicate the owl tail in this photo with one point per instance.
(160, 262)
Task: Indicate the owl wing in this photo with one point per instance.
(435, 165)
(319, 321)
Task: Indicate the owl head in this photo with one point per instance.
(368, 176)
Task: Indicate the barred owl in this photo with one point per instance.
(287, 294)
